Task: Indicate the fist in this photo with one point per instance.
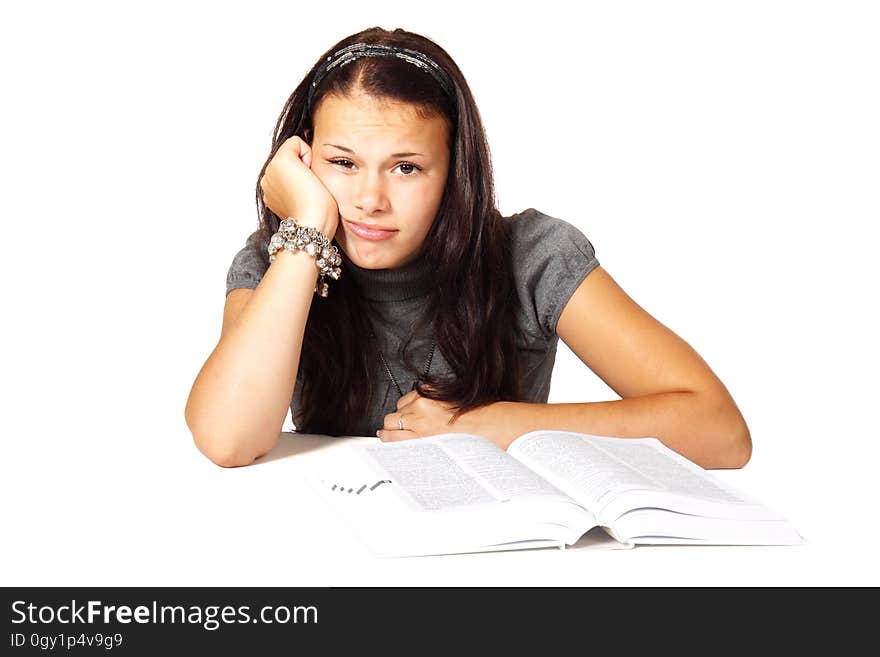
(291, 189)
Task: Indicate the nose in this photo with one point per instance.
(369, 193)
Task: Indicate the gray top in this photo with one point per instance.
(551, 258)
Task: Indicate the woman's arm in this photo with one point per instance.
(668, 391)
(239, 400)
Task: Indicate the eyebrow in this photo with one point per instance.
(348, 150)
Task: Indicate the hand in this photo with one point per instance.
(427, 417)
(292, 189)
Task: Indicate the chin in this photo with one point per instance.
(370, 256)
(371, 260)
(372, 263)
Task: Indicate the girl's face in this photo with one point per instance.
(386, 167)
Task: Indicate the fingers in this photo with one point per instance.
(396, 422)
(300, 148)
(387, 436)
(294, 144)
(420, 416)
(289, 187)
(391, 428)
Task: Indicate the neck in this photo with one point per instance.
(406, 282)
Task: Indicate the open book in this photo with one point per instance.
(455, 493)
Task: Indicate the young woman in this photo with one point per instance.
(384, 294)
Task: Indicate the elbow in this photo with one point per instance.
(731, 444)
(219, 449)
(228, 458)
(734, 444)
(740, 449)
(221, 452)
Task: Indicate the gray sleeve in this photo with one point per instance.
(247, 268)
(552, 258)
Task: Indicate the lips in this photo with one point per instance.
(369, 231)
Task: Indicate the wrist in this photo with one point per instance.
(493, 421)
(502, 415)
(325, 223)
(293, 236)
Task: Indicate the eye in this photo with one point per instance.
(412, 168)
(341, 162)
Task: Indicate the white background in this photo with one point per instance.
(722, 158)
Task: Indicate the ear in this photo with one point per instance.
(307, 136)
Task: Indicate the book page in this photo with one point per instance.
(445, 494)
(453, 470)
(598, 471)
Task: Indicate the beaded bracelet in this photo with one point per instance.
(293, 237)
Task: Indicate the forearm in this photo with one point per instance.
(708, 429)
(240, 398)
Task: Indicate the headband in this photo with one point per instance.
(358, 50)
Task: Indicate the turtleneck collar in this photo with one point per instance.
(407, 282)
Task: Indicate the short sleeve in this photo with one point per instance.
(551, 258)
(248, 267)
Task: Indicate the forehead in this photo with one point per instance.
(367, 116)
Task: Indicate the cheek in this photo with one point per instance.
(420, 226)
(420, 208)
(425, 196)
(335, 183)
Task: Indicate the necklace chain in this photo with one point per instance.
(391, 375)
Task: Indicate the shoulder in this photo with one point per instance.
(249, 264)
(551, 257)
(534, 232)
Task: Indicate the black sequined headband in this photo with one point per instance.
(358, 50)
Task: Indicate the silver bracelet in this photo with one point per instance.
(293, 237)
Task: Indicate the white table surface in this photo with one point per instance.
(156, 519)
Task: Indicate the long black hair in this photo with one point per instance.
(471, 310)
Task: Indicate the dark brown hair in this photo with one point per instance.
(472, 305)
